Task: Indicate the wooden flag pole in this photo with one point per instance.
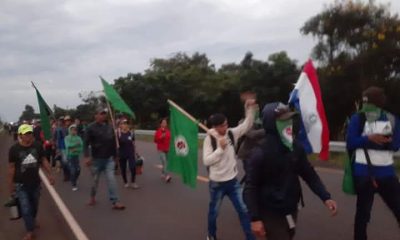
(188, 115)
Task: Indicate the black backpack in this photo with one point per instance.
(214, 140)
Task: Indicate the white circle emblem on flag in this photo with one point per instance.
(181, 146)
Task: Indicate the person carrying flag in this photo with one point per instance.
(101, 140)
(220, 158)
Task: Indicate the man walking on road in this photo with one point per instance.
(272, 191)
(373, 135)
(220, 159)
(101, 138)
(25, 158)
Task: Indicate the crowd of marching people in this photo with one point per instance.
(265, 140)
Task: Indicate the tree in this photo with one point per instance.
(358, 46)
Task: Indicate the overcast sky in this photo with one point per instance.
(64, 45)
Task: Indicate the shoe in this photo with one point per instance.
(92, 201)
(118, 206)
(168, 179)
(211, 238)
(29, 236)
(74, 189)
(126, 185)
(134, 186)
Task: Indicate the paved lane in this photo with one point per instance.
(51, 222)
(159, 211)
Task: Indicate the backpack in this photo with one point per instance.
(214, 140)
(214, 143)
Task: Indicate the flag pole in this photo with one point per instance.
(188, 115)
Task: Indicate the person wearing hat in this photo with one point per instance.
(59, 139)
(373, 135)
(74, 148)
(272, 189)
(25, 158)
(100, 138)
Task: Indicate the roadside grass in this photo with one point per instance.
(336, 159)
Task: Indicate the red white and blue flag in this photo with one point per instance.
(306, 98)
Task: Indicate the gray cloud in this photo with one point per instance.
(64, 45)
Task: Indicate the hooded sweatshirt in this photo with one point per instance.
(73, 144)
(273, 170)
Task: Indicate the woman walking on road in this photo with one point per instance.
(127, 154)
(162, 139)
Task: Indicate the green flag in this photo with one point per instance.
(116, 101)
(45, 113)
(348, 180)
(182, 155)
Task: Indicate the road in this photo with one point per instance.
(160, 211)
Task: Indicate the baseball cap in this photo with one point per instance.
(101, 110)
(67, 117)
(25, 128)
(374, 95)
(283, 112)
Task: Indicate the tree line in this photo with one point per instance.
(358, 45)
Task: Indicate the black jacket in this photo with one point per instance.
(272, 174)
(100, 137)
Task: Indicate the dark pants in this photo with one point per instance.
(74, 169)
(50, 155)
(277, 227)
(388, 189)
(123, 162)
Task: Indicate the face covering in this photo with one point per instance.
(285, 130)
(372, 112)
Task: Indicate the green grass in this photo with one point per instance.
(336, 159)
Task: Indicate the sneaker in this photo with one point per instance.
(134, 186)
(118, 206)
(168, 179)
(75, 189)
(126, 185)
(211, 238)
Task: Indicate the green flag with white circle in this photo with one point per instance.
(182, 155)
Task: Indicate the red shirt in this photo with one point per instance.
(162, 138)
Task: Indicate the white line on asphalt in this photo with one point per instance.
(73, 224)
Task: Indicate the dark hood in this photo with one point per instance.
(269, 118)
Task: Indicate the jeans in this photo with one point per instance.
(64, 164)
(74, 168)
(123, 162)
(28, 198)
(232, 189)
(163, 159)
(388, 188)
(105, 165)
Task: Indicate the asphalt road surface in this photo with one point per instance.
(160, 211)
